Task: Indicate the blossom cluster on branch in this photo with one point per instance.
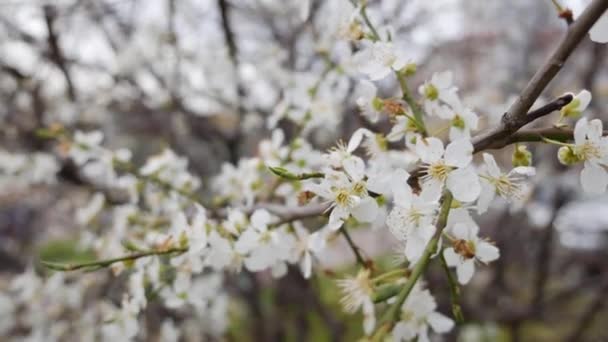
(285, 206)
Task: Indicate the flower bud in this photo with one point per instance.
(431, 92)
(521, 156)
(567, 156)
(409, 69)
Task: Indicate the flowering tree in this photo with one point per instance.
(162, 236)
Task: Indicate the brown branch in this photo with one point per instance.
(544, 256)
(588, 316)
(516, 117)
(56, 54)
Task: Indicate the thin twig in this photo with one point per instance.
(104, 263)
(516, 116)
(353, 247)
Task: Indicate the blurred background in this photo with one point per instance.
(204, 76)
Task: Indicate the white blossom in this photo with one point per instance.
(450, 167)
(357, 292)
(467, 249)
(379, 59)
(495, 182)
(418, 313)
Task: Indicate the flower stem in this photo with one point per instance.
(353, 247)
(409, 99)
(392, 315)
(390, 274)
(95, 265)
(454, 291)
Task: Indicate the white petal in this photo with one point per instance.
(397, 224)
(416, 243)
(491, 166)
(401, 190)
(527, 171)
(594, 179)
(355, 167)
(462, 231)
(369, 317)
(247, 241)
(486, 252)
(488, 192)
(580, 131)
(595, 130)
(459, 153)
(584, 98)
(260, 219)
(429, 150)
(442, 80)
(306, 265)
(451, 257)
(599, 31)
(337, 217)
(366, 211)
(432, 189)
(464, 184)
(440, 323)
(357, 137)
(465, 271)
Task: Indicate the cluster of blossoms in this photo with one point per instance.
(424, 188)
(18, 170)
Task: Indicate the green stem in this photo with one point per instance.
(385, 292)
(104, 263)
(454, 291)
(387, 275)
(368, 22)
(409, 99)
(392, 315)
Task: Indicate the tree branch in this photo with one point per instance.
(94, 265)
(516, 116)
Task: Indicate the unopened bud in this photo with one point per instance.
(567, 156)
(409, 69)
(521, 156)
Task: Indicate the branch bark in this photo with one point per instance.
(516, 117)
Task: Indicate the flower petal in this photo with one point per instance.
(429, 150)
(464, 184)
(465, 271)
(594, 179)
(486, 252)
(459, 153)
(366, 210)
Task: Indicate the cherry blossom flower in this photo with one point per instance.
(263, 248)
(591, 148)
(418, 313)
(357, 294)
(467, 248)
(462, 120)
(86, 146)
(449, 166)
(495, 182)
(379, 60)
(437, 90)
(307, 244)
(411, 220)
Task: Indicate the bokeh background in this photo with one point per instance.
(203, 77)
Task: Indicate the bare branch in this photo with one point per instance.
(516, 116)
